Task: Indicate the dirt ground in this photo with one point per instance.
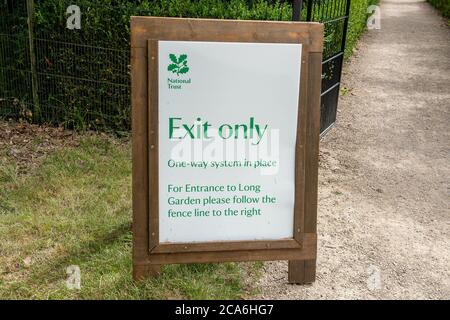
(384, 214)
(27, 144)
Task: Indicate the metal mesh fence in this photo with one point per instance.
(81, 78)
(335, 16)
(15, 74)
(79, 83)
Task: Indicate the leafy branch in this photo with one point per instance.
(178, 65)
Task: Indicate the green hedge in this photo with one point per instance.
(442, 5)
(357, 22)
(84, 75)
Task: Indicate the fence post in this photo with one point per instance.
(347, 14)
(309, 15)
(297, 10)
(33, 68)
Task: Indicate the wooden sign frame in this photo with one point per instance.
(148, 253)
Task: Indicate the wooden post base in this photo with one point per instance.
(141, 272)
(302, 272)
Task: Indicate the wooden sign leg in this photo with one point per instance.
(141, 268)
(141, 272)
(302, 272)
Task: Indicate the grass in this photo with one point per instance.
(75, 209)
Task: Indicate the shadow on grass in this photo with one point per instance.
(54, 270)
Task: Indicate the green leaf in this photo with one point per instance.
(184, 70)
(172, 67)
(173, 58)
(182, 58)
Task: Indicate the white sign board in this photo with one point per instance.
(227, 136)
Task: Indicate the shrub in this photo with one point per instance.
(357, 22)
(443, 6)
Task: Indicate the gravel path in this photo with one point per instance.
(384, 180)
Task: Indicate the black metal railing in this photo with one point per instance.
(334, 14)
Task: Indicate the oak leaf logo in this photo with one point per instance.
(178, 65)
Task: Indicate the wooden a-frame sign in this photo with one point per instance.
(148, 253)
